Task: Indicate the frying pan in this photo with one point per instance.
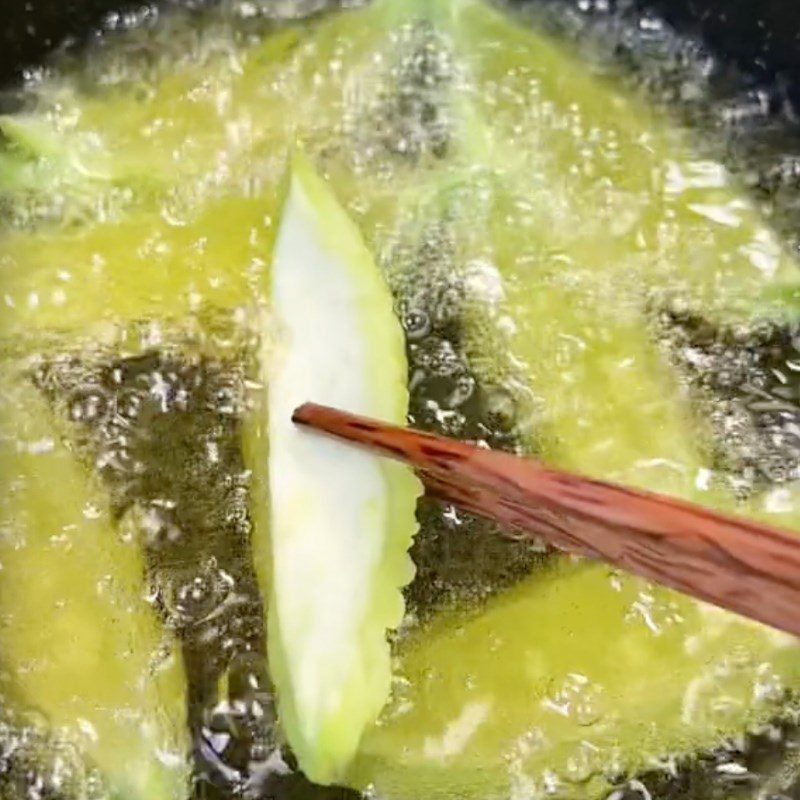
(761, 36)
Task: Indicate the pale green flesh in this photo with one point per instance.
(579, 258)
(341, 521)
(78, 639)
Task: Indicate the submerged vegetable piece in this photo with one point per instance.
(611, 185)
(570, 351)
(567, 683)
(341, 521)
(549, 315)
(201, 146)
(610, 407)
(169, 141)
(142, 268)
(35, 157)
(564, 681)
(79, 642)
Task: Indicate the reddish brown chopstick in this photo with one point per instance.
(743, 566)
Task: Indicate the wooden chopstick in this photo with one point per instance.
(743, 566)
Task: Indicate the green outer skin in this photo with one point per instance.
(78, 640)
(325, 757)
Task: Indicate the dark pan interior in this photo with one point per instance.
(32, 28)
(761, 36)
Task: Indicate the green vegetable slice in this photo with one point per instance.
(140, 268)
(78, 640)
(170, 144)
(191, 168)
(615, 185)
(341, 521)
(566, 683)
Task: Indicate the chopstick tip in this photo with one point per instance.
(302, 414)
